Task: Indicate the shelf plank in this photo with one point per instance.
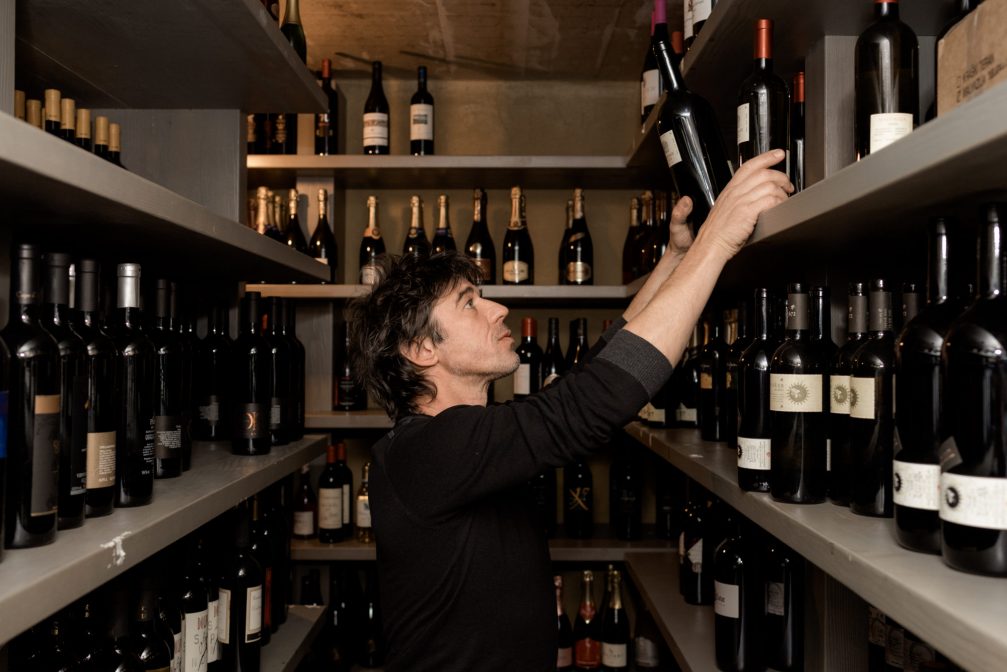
(81, 200)
(288, 645)
(187, 54)
(962, 615)
(35, 582)
(687, 629)
(369, 419)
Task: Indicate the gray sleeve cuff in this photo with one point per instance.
(613, 330)
(640, 359)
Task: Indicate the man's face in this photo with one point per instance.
(476, 342)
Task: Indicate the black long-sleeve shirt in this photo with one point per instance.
(464, 569)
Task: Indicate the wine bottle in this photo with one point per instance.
(292, 30)
(416, 243)
(887, 90)
(283, 128)
(712, 364)
(327, 122)
(55, 319)
(763, 104)
(297, 363)
(292, 234)
(115, 144)
(578, 500)
(372, 636)
(277, 220)
(561, 263)
(152, 651)
(68, 120)
(553, 363)
(578, 253)
(365, 534)
(281, 406)
(330, 500)
(754, 429)
(797, 134)
(920, 423)
(479, 246)
(668, 498)
(736, 322)
(646, 642)
(738, 605)
(183, 321)
(376, 123)
(662, 216)
(648, 233)
(348, 394)
(784, 599)
(615, 630)
(821, 341)
(625, 478)
(262, 210)
(339, 636)
(630, 259)
(250, 387)
(82, 126)
(212, 373)
(206, 572)
(444, 240)
(578, 347)
(421, 117)
(239, 602)
(101, 137)
(872, 410)
(695, 572)
(169, 609)
(689, 132)
(167, 388)
(274, 517)
(974, 366)
(305, 507)
(323, 244)
(564, 634)
(542, 492)
(839, 399)
(372, 247)
(518, 253)
(685, 383)
(586, 644)
(262, 548)
(194, 600)
(796, 387)
(528, 377)
(650, 78)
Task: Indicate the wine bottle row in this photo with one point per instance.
(335, 514)
(60, 116)
(892, 647)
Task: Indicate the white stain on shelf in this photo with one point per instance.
(118, 552)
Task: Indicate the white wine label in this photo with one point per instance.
(795, 392)
(363, 512)
(212, 632)
(211, 412)
(614, 655)
(223, 617)
(653, 414)
(564, 657)
(645, 652)
(577, 272)
(774, 598)
(974, 501)
(683, 414)
(375, 129)
(862, 397)
(253, 614)
(917, 486)
(695, 556)
(515, 271)
(701, 10)
(754, 453)
(743, 123)
(100, 460)
(304, 523)
(644, 413)
(346, 505)
(276, 413)
(195, 641)
(421, 122)
(839, 402)
(650, 89)
(726, 601)
(687, 19)
(888, 127)
(522, 379)
(330, 508)
(671, 153)
(706, 381)
(369, 275)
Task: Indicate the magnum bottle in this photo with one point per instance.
(250, 387)
(518, 253)
(754, 426)
(167, 388)
(213, 378)
(839, 399)
(479, 246)
(763, 104)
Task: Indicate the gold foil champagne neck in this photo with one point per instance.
(52, 106)
(101, 130)
(68, 114)
(33, 112)
(83, 123)
(114, 137)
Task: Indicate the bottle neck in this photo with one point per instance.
(372, 230)
(421, 81)
(886, 10)
(764, 64)
(991, 273)
(797, 315)
(444, 223)
(376, 78)
(553, 334)
(477, 210)
(821, 327)
(293, 12)
(667, 62)
(515, 212)
(648, 211)
(857, 316)
(615, 599)
(880, 318)
(416, 225)
(761, 312)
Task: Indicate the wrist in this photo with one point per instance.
(710, 249)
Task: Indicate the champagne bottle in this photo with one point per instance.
(518, 253)
(553, 363)
(564, 637)
(349, 395)
(372, 247)
(586, 644)
(444, 240)
(615, 630)
(421, 117)
(578, 254)
(323, 245)
(250, 387)
(365, 534)
(416, 244)
(754, 428)
(292, 234)
(376, 124)
(292, 30)
(479, 246)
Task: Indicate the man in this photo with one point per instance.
(464, 570)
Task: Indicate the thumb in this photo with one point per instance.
(680, 213)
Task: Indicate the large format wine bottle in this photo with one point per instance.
(213, 378)
(421, 117)
(444, 240)
(615, 630)
(34, 402)
(738, 605)
(250, 385)
(293, 236)
(920, 425)
(528, 377)
(796, 387)
(376, 123)
(72, 437)
(167, 388)
(239, 606)
(650, 77)
(323, 245)
(797, 134)
(973, 464)
(578, 252)
(327, 122)
(292, 30)
(282, 415)
(372, 247)
(784, 625)
(564, 634)
(713, 416)
(821, 341)
(518, 253)
(886, 69)
(479, 246)
(578, 500)
(872, 410)
(135, 375)
(754, 436)
(416, 243)
(586, 638)
(690, 134)
(99, 390)
(763, 103)
(839, 397)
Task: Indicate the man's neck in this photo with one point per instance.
(454, 391)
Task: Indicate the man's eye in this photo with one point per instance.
(470, 304)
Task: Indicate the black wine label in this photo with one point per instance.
(167, 436)
(881, 311)
(797, 312)
(45, 455)
(251, 420)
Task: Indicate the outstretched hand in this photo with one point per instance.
(679, 232)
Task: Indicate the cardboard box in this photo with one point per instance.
(972, 57)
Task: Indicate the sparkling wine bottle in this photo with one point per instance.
(586, 638)
(479, 246)
(292, 30)
(416, 243)
(564, 637)
(615, 630)
(444, 240)
(323, 245)
(578, 251)
(372, 247)
(518, 253)
(293, 236)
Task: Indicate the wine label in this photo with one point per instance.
(178, 658)
(687, 19)
(167, 436)
(579, 499)
(650, 88)
(695, 556)
(701, 10)
(363, 512)
(251, 421)
(743, 123)
(3, 424)
(974, 501)
(887, 127)
(578, 272)
(250, 135)
(587, 653)
(253, 614)
(614, 655)
(515, 271)
(653, 414)
(100, 460)
(795, 392)
(876, 627)
(917, 486)
(369, 275)
(210, 412)
(919, 655)
(646, 654)
(223, 617)
(522, 379)
(330, 508)
(375, 129)
(754, 453)
(195, 641)
(212, 632)
(683, 414)
(304, 523)
(862, 402)
(726, 601)
(705, 381)
(564, 657)
(774, 598)
(45, 449)
(280, 129)
(839, 402)
(671, 153)
(421, 122)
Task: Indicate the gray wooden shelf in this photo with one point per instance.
(962, 615)
(369, 419)
(292, 641)
(52, 186)
(687, 629)
(186, 54)
(35, 582)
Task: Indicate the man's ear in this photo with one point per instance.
(421, 354)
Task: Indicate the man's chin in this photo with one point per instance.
(503, 373)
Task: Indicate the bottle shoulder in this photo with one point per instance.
(758, 354)
(796, 356)
(875, 353)
(980, 330)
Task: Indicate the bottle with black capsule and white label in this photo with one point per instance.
(421, 117)
(376, 119)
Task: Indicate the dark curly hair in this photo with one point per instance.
(396, 313)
